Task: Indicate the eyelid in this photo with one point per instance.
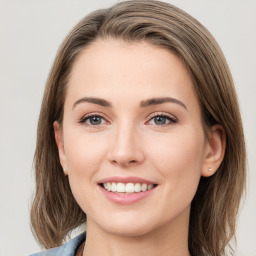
(86, 116)
(171, 117)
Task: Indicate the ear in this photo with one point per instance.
(59, 141)
(214, 150)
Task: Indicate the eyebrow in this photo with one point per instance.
(97, 101)
(144, 103)
(156, 101)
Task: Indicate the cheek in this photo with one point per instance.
(83, 152)
(84, 156)
(179, 161)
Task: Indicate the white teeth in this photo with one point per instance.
(127, 187)
(144, 187)
(137, 187)
(150, 186)
(120, 187)
(113, 187)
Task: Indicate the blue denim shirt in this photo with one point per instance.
(68, 249)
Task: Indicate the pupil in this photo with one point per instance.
(95, 120)
(159, 120)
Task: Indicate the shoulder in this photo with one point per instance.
(67, 249)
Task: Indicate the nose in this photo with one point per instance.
(126, 146)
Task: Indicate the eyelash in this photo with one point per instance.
(88, 116)
(171, 119)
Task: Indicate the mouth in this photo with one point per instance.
(127, 188)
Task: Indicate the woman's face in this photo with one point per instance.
(132, 124)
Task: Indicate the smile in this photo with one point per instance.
(126, 190)
(127, 187)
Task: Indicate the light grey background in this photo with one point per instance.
(30, 33)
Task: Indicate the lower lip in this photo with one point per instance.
(123, 198)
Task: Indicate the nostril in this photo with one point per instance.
(124, 162)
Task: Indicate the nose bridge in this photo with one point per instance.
(125, 147)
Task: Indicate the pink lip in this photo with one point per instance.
(130, 179)
(123, 198)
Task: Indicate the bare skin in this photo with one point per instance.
(131, 111)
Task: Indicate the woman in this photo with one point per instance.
(139, 136)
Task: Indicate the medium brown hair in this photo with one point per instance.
(215, 206)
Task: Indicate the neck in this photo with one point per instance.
(171, 239)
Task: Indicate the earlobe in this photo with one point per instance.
(60, 145)
(215, 150)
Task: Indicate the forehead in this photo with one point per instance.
(114, 68)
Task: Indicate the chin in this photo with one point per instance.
(128, 226)
(128, 231)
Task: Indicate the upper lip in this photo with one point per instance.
(129, 179)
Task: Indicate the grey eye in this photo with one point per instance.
(94, 120)
(160, 120)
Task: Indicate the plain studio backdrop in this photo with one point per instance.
(30, 33)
